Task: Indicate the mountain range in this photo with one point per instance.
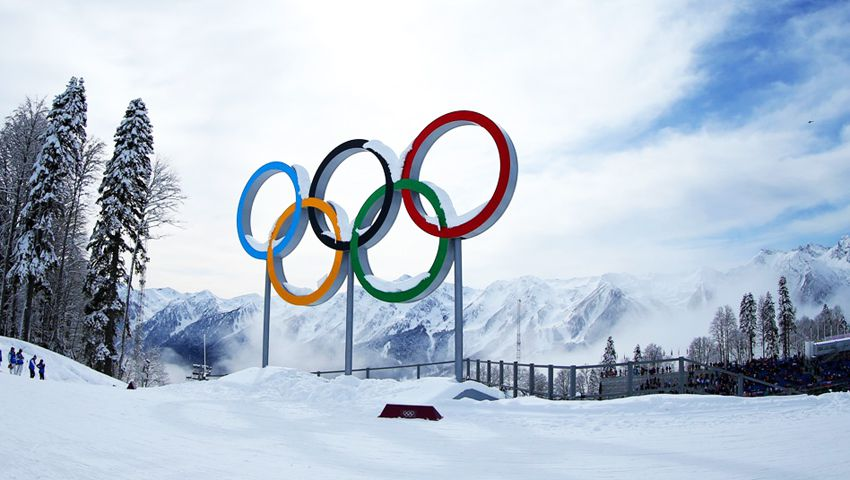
(560, 320)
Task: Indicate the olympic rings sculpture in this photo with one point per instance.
(401, 185)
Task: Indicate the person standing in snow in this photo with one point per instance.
(19, 362)
(11, 359)
(41, 369)
(32, 366)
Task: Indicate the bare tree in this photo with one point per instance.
(165, 195)
(701, 349)
(20, 142)
(722, 328)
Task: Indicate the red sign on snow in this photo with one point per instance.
(425, 412)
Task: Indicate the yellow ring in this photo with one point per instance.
(315, 296)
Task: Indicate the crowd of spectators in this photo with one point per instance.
(793, 375)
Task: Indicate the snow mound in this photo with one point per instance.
(291, 384)
(57, 367)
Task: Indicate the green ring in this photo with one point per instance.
(442, 250)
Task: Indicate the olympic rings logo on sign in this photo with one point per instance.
(376, 216)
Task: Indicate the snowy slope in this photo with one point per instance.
(57, 367)
(279, 423)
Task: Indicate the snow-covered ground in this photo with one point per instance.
(282, 423)
(57, 367)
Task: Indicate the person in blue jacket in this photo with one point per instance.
(19, 362)
(41, 369)
(32, 366)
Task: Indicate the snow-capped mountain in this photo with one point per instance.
(557, 317)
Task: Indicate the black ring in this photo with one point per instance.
(320, 184)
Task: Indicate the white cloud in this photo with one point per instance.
(231, 87)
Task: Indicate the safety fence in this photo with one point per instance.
(583, 382)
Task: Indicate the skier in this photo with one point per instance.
(32, 366)
(11, 359)
(19, 362)
(41, 369)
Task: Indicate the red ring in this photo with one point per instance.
(470, 227)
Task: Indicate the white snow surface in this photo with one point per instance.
(303, 180)
(296, 290)
(58, 368)
(261, 245)
(343, 222)
(389, 155)
(453, 219)
(283, 423)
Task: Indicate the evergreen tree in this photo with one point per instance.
(767, 320)
(787, 315)
(748, 320)
(121, 199)
(637, 354)
(609, 358)
(35, 254)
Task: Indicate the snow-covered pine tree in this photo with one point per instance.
(748, 319)
(787, 315)
(767, 320)
(121, 199)
(35, 252)
(638, 356)
(609, 358)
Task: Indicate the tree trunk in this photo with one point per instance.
(125, 331)
(7, 255)
(28, 294)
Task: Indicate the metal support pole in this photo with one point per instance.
(681, 374)
(551, 382)
(572, 382)
(367, 372)
(458, 311)
(418, 375)
(516, 376)
(267, 300)
(488, 373)
(478, 370)
(630, 386)
(349, 320)
(501, 373)
(531, 379)
(468, 363)
(319, 373)
(740, 385)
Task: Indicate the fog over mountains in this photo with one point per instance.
(561, 320)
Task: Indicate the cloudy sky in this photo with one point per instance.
(652, 137)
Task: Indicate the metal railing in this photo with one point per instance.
(581, 382)
(617, 380)
(369, 370)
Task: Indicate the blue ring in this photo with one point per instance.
(246, 202)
